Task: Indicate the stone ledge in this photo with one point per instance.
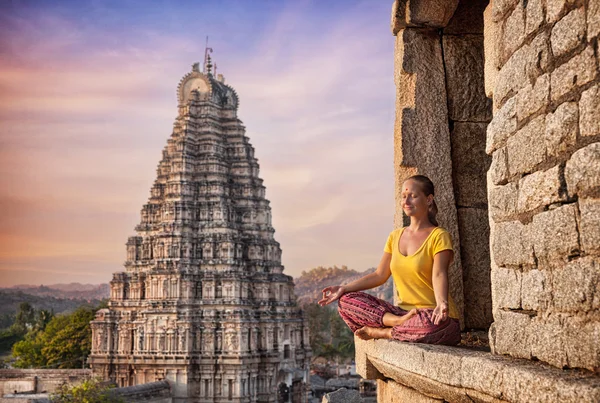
(462, 374)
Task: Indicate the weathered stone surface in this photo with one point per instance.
(506, 288)
(582, 172)
(556, 9)
(499, 167)
(540, 189)
(511, 244)
(589, 111)
(589, 225)
(510, 334)
(537, 56)
(593, 20)
(467, 19)
(469, 164)
(511, 77)
(501, 7)
(534, 16)
(568, 33)
(491, 49)
(483, 377)
(342, 395)
(525, 149)
(576, 286)
(535, 290)
(474, 226)
(463, 58)
(561, 128)
(417, 13)
(513, 32)
(503, 201)
(554, 235)
(531, 99)
(394, 392)
(502, 126)
(579, 70)
(421, 108)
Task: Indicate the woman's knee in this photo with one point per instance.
(349, 297)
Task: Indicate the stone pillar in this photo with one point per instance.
(421, 134)
(544, 181)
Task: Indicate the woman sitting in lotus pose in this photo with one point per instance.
(417, 257)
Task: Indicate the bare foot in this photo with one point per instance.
(389, 319)
(368, 333)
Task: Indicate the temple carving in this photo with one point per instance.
(203, 301)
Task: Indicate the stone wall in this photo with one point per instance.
(39, 380)
(544, 180)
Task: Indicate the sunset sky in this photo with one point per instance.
(88, 100)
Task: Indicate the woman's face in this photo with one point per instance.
(414, 201)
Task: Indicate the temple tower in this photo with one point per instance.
(203, 301)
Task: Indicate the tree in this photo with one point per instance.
(89, 391)
(64, 343)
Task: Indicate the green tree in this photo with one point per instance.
(64, 343)
(89, 391)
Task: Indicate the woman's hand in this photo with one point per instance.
(331, 294)
(440, 313)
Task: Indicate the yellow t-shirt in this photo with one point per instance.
(413, 274)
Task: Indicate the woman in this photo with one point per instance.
(417, 257)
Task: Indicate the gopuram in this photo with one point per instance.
(203, 301)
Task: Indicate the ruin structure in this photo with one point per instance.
(203, 301)
(499, 103)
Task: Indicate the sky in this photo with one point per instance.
(88, 101)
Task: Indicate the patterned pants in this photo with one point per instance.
(359, 309)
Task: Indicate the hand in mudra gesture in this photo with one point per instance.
(331, 294)
(440, 313)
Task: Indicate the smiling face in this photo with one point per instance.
(414, 201)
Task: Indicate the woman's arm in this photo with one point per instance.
(441, 262)
(372, 280)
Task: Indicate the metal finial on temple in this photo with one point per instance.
(207, 65)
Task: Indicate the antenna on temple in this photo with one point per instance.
(207, 66)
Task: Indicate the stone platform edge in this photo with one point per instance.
(462, 374)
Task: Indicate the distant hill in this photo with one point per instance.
(310, 283)
(86, 292)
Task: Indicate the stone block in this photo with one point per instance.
(537, 56)
(342, 395)
(589, 225)
(511, 334)
(483, 374)
(554, 234)
(506, 288)
(467, 19)
(526, 148)
(513, 32)
(561, 129)
(555, 9)
(593, 20)
(499, 167)
(473, 225)
(582, 172)
(502, 126)
(469, 164)
(463, 58)
(589, 111)
(579, 70)
(511, 77)
(491, 48)
(540, 189)
(503, 201)
(501, 7)
(534, 17)
(418, 13)
(393, 392)
(531, 99)
(535, 290)
(568, 33)
(511, 244)
(576, 286)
